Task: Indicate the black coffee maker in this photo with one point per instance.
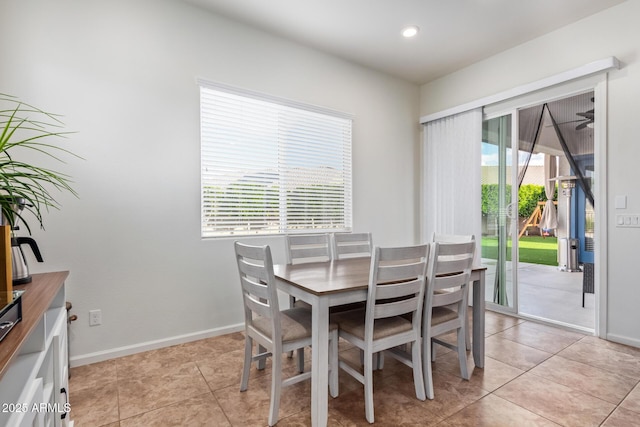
(20, 268)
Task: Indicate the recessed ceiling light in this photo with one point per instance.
(411, 31)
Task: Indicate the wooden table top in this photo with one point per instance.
(333, 276)
(327, 277)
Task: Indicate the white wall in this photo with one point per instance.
(614, 32)
(124, 75)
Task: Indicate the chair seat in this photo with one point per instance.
(352, 322)
(442, 314)
(295, 323)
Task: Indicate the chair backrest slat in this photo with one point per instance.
(456, 249)
(395, 290)
(252, 287)
(258, 307)
(391, 273)
(396, 308)
(448, 265)
(447, 298)
(252, 271)
(448, 281)
(452, 238)
(307, 252)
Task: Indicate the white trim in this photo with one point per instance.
(515, 201)
(576, 73)
(597, 84)
(600, 255)
(563, 325)
(272, 98)
(100, 356)
(634, 342)
(555, 93)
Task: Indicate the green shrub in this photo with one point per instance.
(529, 195)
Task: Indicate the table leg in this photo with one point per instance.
(319, 362)
(478, 321)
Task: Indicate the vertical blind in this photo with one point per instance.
(272, 166)
(451, 176)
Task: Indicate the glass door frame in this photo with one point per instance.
(511, 212)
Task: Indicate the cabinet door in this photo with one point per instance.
(61, 374)
(26, 416)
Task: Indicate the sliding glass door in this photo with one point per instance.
(499, 211)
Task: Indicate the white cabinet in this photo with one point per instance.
(34, 386)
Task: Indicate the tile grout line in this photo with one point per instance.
(557, 354)
(213, 394)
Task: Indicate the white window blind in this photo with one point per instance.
(272, 166)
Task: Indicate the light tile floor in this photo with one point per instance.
(534, 375)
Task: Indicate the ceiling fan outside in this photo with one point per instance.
(585, 121)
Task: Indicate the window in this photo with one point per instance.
(272, 166)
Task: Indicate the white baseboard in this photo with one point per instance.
(633, 342)
(100, 356)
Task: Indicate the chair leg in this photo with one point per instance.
(468, 333)
(300, 361)
(462, 353)
(426, 366)
(262, 363)
(333, 364)
(418, 378)
(379, 360)
(276, 388)
(368, 386)
(248, 348)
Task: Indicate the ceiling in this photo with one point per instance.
(453, 33)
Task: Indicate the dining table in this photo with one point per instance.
(338, 282)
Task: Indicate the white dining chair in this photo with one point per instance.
(302, 248)
(449, 271)
(351, 245)
(457, 238)
(275, 331)
(392, 318)
(347, 246)
(307, 248)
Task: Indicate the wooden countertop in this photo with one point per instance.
(36, 299)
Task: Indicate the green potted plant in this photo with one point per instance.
(26, 187)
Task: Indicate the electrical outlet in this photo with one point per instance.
(95, 317)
